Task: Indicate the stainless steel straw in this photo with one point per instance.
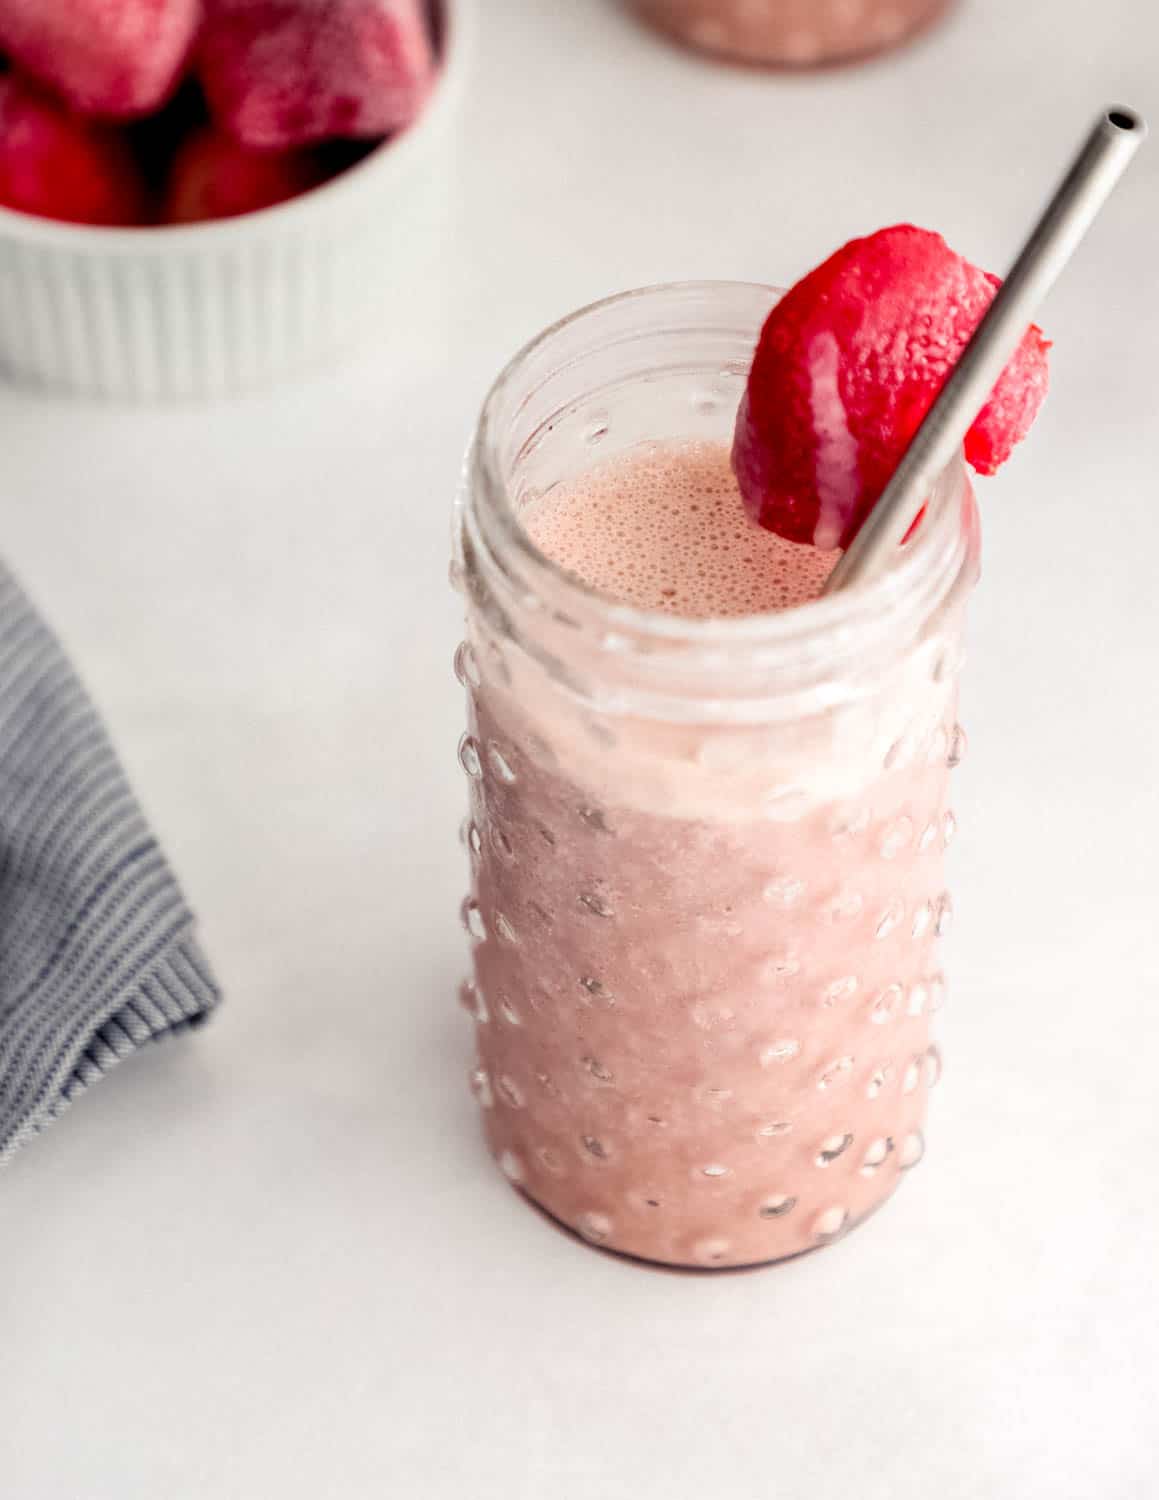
(1117, 135)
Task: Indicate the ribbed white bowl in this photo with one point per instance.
(203, 310)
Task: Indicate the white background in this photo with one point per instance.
(272, 1261)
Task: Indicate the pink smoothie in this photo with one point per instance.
(792, 32)
(703, 1038)
(665, 529)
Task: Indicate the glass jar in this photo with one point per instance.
(793, 33)
(706, 855)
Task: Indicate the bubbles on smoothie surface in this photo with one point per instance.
(663, 527)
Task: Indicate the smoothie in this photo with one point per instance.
(797, 33)
(708, 800)
(703, 1029)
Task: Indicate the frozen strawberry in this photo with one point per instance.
(109, 58)
(848, 364)
(282, 73)
(212, 177)
(55, 164)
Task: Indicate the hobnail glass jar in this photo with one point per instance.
(707, 884)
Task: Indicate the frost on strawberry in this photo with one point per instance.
(281, 73)
(115, 59)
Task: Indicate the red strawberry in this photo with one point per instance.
(54, 164)
(112, 58)
(281, 73)
(848, 364)
(212, 177)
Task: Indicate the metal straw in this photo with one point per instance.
(1117, 135)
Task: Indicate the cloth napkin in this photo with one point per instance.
(97, 950)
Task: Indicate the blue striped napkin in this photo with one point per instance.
(97, 950)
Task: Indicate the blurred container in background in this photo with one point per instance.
(210, 284)
(790, 33)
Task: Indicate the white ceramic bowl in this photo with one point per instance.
(202, 310)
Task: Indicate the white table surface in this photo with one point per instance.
(272, 1261)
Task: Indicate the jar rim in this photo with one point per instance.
(934, 549)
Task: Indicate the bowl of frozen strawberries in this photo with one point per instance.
(202, 195)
